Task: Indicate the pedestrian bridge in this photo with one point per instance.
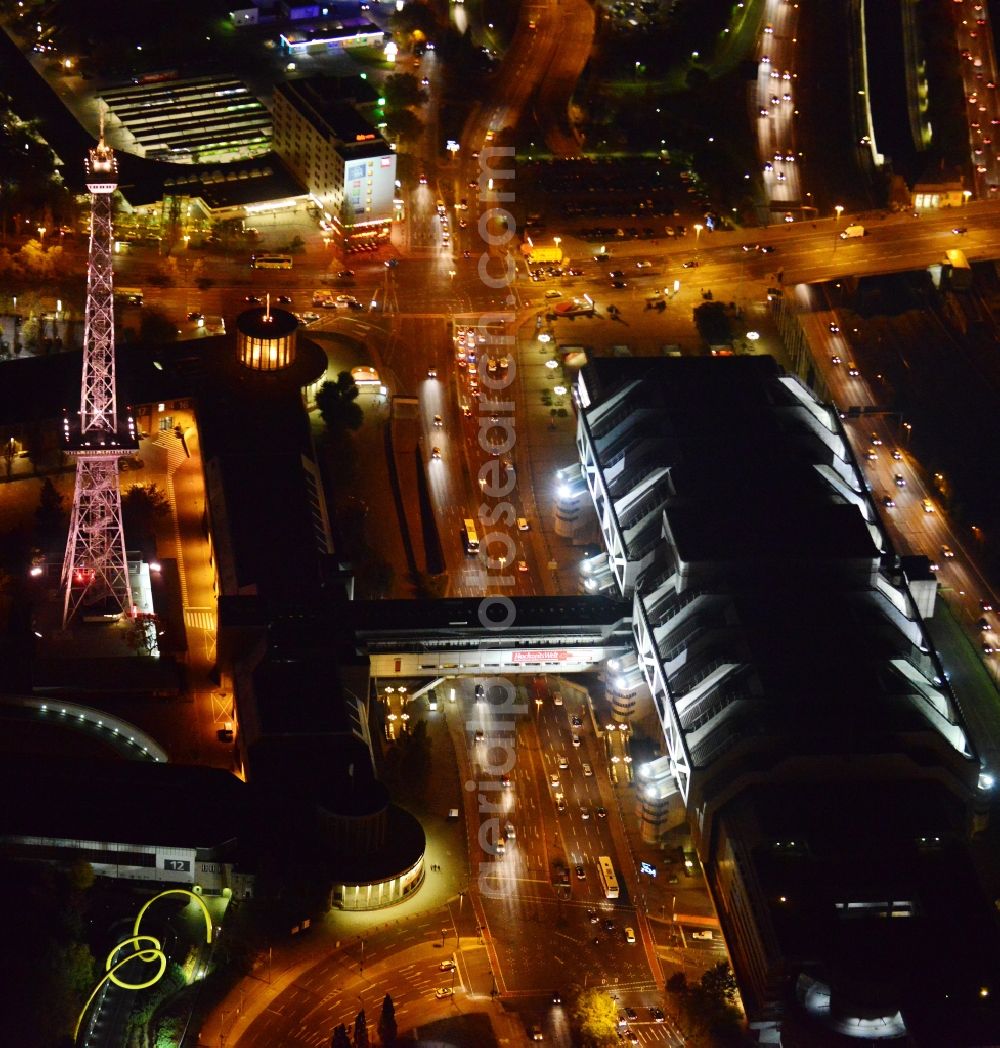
(491, 636)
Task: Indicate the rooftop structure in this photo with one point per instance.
(190, 119)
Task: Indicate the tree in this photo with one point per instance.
(403, 124)
(143, 505)
(387, 1022)
(51, 518)
(720, 983)
(340, 1038)
(403, 89)
(9, 454)
(677, 983)
(415, 19)
(336, 403)
(360, 1030)
(596, 1016)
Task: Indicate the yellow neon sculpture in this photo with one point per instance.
(151, 954)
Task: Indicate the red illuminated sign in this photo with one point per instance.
(540, 656)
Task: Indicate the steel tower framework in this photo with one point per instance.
(95, 570)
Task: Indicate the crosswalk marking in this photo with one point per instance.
(200, 619)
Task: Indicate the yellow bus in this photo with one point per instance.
(606, 873)
(469, 537)
(270, 261)
(130, 295)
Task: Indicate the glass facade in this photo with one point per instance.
(267, 354)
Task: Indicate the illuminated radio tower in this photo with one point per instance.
(95, 570)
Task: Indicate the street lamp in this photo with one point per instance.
(966, 193)
(839, 208)
(552, 364)
(908, 428)
(753, 335)
(698, 227)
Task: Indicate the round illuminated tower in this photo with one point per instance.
(265, 339)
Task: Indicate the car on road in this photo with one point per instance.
(574, 272)
(576, 721)
(438, 421)
(556, 997)
(423, 180)
(617, 274)
(888, 501)
(522, 524)
(707, 935)
(875, 439)
(554, 781)
(536, 1031)
(195, 316)
(587, 770)
(986, 605)
(308, 318)
(630, 935)
(253, 299)
(631, 1036)
(552, 293)
(509, 831)
(959, 230)
(752, 247)
(581, 873)
(445, 991)
(609, 926)
(562, 761)
(899, 480)
(631, 1015)
(522, 565)
(585, 814)
(447, 966)
(947, 552)
(480, 735)
(643, 264)
(435, 453)
(561, 804)
(767, 249)
(592, 916)
(505, 781)
(836, 360)
(852, 369)
(927, 505)
(346, 274)
(690, 264)
(576, 742)
(432, 372)
(834, 328)
(656, 1014)
(602, 812)
(896, 454)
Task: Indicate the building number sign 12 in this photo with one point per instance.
(177, 865)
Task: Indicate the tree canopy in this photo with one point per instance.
(596, 1017)
(337, 403)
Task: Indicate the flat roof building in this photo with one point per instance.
(342, 159)
(820, 752)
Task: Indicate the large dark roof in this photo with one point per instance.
(141, 181)
(876, 843)
(457, 615)
(319, 101)
(123, 802)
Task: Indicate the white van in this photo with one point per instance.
(557, 698)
